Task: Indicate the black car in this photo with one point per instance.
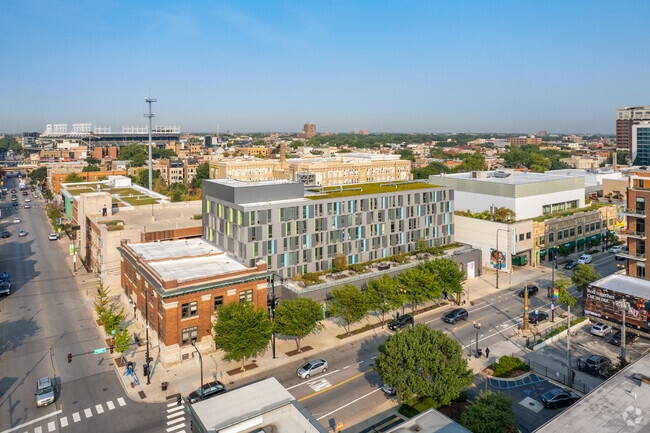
(209, 390)
(5, 234)
(15, 203)
(629, 338)
(572, 264)
(400, 322)
(596, 364)
(537, 316)
(558, 397)
(455, 315)
(532, 291)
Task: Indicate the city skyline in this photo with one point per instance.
(383, 67)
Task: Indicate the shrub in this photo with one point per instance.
(425, 404)
(506, 365)
(311, 277)
(407, 411)
(461, 398)
(357, 268)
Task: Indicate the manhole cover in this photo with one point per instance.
(105, 389)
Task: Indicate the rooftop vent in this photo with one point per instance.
(501, 174)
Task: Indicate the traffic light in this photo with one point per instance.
(111, 347)
(145, 370)
(69, 358)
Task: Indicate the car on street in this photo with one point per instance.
(28, 206)
(27, 200)
(388, 390)
(570, 265)
(532, 291)
(22, 233)
(537, 316)
(16, 220)
(585, 259)
(596, 364)
(400, 322)
(52, 236)
(558, 397)
(5, 234)
(601, 329)
(312, 367)
(14, 199)
(14, 203)
(619, 257)
(209, 390)
(455, 315)
(5, 288)
(629, 338)
(13, 191)
(616, 249)
(44, 392)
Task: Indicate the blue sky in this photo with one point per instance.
(385, 66)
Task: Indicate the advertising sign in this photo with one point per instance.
(471, 273)
(620, 218)
(600, 303)
(497, 257)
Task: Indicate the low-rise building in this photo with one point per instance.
(57, 177)
(176, 286)
(257, 151)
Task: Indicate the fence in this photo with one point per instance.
(532, 340)
(558, 376)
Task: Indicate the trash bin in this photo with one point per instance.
(479, 352)
(163, 386)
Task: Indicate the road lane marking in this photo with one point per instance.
(99, 408)
(38, 429)
(176, 427)
(88, 413)
(121, 401)
(18, 427)
(172, 404)
(64, 421)
(174, 421)
(347, 366)
(334, 386)
(76, 417)
(174, 409)
(320, 385)
(110, 405)
(346, 405)
(309, 381)
(175, 414)
(51, 426)
(360, 362)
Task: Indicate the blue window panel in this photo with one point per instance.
(435, 232)
(402, 237)
(364, 245)
(336, 221)
(426, 222)
(307, 241)
(337, 207)
(402, 213)
(446, 218)
(273, 247)
(307, 211)
(383, 202)
(358, 232)
(420, 210)
(285, 260)
(354, 259)
(383, 253)
(435, 196)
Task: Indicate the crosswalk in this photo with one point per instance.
(176, 420)
(319, 385)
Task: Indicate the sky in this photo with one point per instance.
(264, 66)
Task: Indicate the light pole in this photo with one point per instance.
(201, 361)
(498, 256)
(406, 292)
(477, 326)
(149, 100)
(146, 321)
(271, 306)
(622, 305)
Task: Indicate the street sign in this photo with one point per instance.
(102, 350)
(112, 330)
(71, 249)
(339, 426)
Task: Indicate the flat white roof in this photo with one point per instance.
(625, 284)
(235, 183)
(510, 177)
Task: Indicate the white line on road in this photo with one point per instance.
(51, 426)
(174, 421)
(360, 362)
(121, 401)
(344, 406)
(64, 421)
(110, 405)
(174, 415)
(176, 427)
(76, 417)
(171, 404)
(347, 366)
(32, 421)
(88, 413)
(174, 409)
(307, 383)
(99, 408)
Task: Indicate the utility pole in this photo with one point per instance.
(498, 253)
(271, 307)
(526, 324)
(201, 361)
(622, 305)
(150, 116)
(568, 346)
(146, 321)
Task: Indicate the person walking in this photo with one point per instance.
(573, 377)
(487, 353)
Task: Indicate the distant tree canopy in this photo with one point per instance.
(90, 168)
(531, 157)
(202, 172)
(138, 154)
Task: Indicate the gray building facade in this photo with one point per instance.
(297, 231)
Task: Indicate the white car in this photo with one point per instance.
(27, 200)
(616, 249)
(584, 259)
(16, 220)
(22, 233)
(601, 329)
(52, 237)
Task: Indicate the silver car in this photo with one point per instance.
(312, 367)
(44, 392)
(601, 329)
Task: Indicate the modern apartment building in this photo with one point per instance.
(298, 231)
(640, 147)
(523, 141)
(626, 117)
(638, 208)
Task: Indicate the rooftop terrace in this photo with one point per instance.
(364, 189)
(134, 195)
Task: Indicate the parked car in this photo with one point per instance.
(455, 315)
(572, 264)
(585, 259)
(16, 220)
(537, 316)
(629, 338)
(312, 367)
(14, 203)
(616, 249)
(532, 290)
(597, 364)
(558, 397)
(600, 329)
(5, 288)
(44, 392)
(22, 233)
(27, 200)
(209, 390)
(388, 390)
(52, 236)
(6, 234)
(400, 322)
(28, 206)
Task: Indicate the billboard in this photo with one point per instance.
(620, 217)
(497, 256)
(600, 303)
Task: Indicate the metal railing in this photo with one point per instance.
(633, 256)
(558, 376)
(634, 212)
(630, 233)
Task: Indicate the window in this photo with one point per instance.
(189, 309)
(572, 232)
(161, 334)
(541, 240)
(160, 307)
(551, 237)
(528, 235)
(190, 335)
(546, 209)
(566, 233)
(521, 237)
(246, 295)
(579, 230)
(559, 235)
(218, 302)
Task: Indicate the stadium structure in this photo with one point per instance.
(100, 136)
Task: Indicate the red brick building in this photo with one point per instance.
(184, 282)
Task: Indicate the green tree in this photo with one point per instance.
(89, 168)
(15, 146)
(381, 295)
(447, 273)
(136, 153)
(202, 172)
(422, 362)
(491, 413)
(406, 154)
(564, 251)
(583, 275)
(420, 285)
(110, 319)
(340, 262)
(298, 318)
(431, 169)
(473, 162)
(142, 177)
(538, 163)
(38, 175)
(347, 304)
(503, 214)
(73, 178)
(93, 160)
(122, 338)
(241, 331)
(101, 298)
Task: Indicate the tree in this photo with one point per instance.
(38, 175)
(421, 362)
(473, 162)
(583, 275)
(420, 285)
(142, 176)
(202, 172)
(406, 154)
(122, 338)
(241, 331)
(381, 295)
(448, 274)
(564, 251)
(503, 214)
(348, 304)
(298, 318)
(90, 168)
(490, 413)
(101, 298)
(73, 178)
(111, 320)
(15, 146)
(93, 160)
(340, 262)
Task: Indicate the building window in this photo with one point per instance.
(640, 271)
(566, 233)
(559, 235)
(246, 295)
(160, 307)
(572, 232)
(521, 237)
(189, 309)
(190, 335)
(579, 230)
(551, 237)
(546, 209)
(218, 302)
(528, 235)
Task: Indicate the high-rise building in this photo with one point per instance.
(309, 130)
(541, 133)
(625, 118)
(640, 143)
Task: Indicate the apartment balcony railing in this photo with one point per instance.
(630, 234)
(633, 256)
(639, 213)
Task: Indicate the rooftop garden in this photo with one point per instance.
(500, 214)
(594, 206)
(366, 189)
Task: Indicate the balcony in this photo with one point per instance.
(631, 234)
(633, 256)
(638, 213)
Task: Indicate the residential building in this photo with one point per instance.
(57, 176)
(29, 139)
(298, 231)
(309, 130)
(583, 163)
(256, 151)
(190, 170)
(524, 141)
(626, 117)
(640, 146)
(638, 208)
(541, 133)
(180, 284)
(173, 170)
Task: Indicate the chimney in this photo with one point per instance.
(614, 155)
(283, 158)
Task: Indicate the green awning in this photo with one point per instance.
(570, 244)
(581, 241)
(593, 237)
(542, 253)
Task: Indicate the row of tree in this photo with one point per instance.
(112, 320)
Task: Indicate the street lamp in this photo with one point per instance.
(201, 361)
(146, 321)
(622, 305)
(477, 326)
(271, 307)
(406, 292)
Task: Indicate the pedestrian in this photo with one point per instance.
(573, 377)
(487, 353)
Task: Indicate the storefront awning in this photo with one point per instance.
(593, 238)
(569, 244)
(542, 253)
(581, 241)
